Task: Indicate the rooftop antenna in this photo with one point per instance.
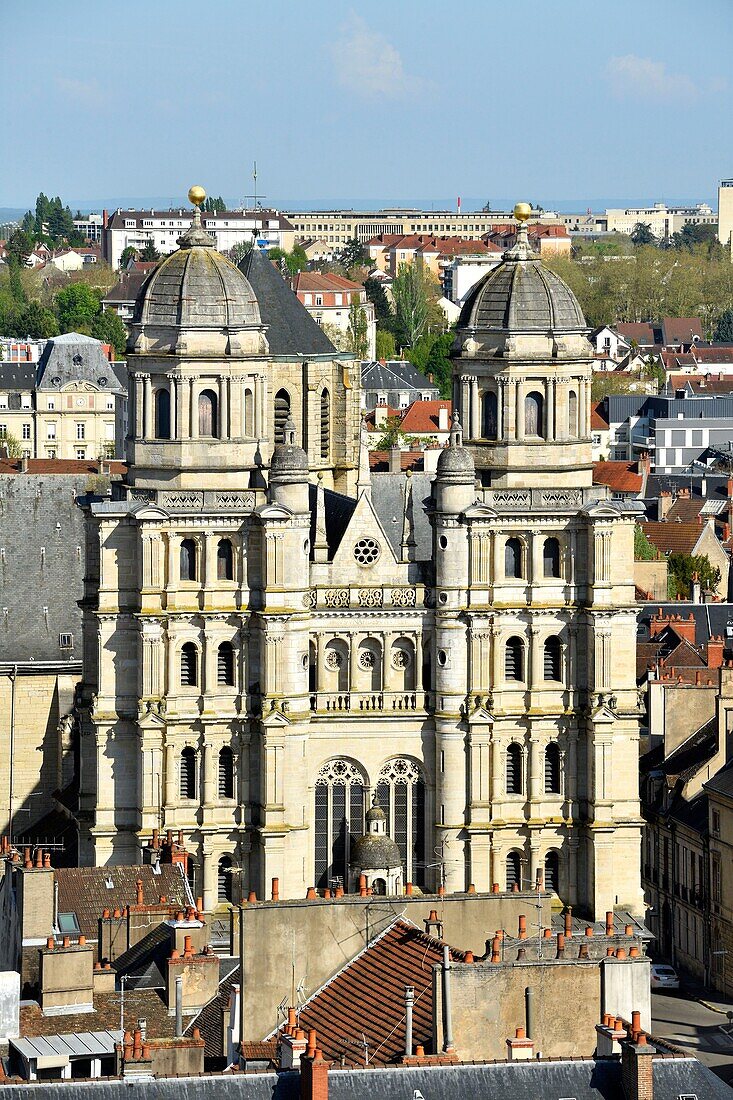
(255, 200)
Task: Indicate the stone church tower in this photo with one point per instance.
(265, 657)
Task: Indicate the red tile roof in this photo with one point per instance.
(620, 477)
(314, 280)
(673, 538)
(370, 417)
(70, 466)
(83, 890)
(640, 331)
(704, 383)
(597, 417)
(344, 1010)
(422, 416)
(680, 330)
(409, 460)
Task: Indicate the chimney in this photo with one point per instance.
(292, 1049)
(409, 1002)
(443, 418)
(447, 1008)
(520, 1048)
(696, 586)
(395, 460)
(314, 1076)
(715, 651)
(380, 415)
(433, 926)
(663, 505)
(637, 1069)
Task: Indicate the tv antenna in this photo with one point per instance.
(255, 200)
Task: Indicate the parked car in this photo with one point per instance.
(664, 978)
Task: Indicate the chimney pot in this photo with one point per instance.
(339, 892)
(327, 893)
(419, 1051)
(520, 1033)
(310, 894)
(629, 930)
(471, 888)
(636, 1021)
(49, 943)
(560, 946)
(468, 957)
(408, 889)
(66, 942)
(276, 889)
(495, 888)
(621, 953)
(47, 860)
(39, 858)
(522, 927)
(82, 941)
(634, 953)
(252, 897)
(609, 922)
(589, 930)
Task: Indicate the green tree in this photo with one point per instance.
(60, 221)
(439, 365)
(681, 569)
(410, 290)
(692, 235)
(127, 254)
(214, 206)
(294, 261)
(37, 322)
(149, 252)
(393, 436)
(385, 347)
(642, 234)
(358, 337)
(643, 549)
(77, 306)
(19, 247)
(108, 328)
(353, 254)
(724, 327)
(419, 352)
(605, 383)
(383, 312)
(239, 250)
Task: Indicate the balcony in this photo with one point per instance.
(368, 702)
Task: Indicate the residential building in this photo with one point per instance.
(75, 259)
(136, 228)
(692, 539)
(329, 298)
(90, 226)
(339, 226)
(422, 422)
(725, 214)
(677, 429)
(664, 220)
(123, 295)
(546, 240)
(395, 383)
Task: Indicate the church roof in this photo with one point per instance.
(290, 328)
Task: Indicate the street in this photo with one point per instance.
(695, 1028)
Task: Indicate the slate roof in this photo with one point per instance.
(722, 782)
(388, 503)
(290, 328)
(74, 356)
(17, 376)
(127, 288)
(710, 618)
(394, 374)
(82, 890)
(209, 1019)
(145, 1004)
(339, 510)
(522, 296)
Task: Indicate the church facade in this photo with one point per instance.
(274, 640)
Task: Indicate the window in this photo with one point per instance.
(552, 865)
(716, 823)
(401, 794)
(489, 415)
(3, 431)
(110, 404)
(50, 431)
(26, 431)
(513, 558)
(339, 819)
(51, 404)
(226, 773)
(188, 560)
(162, 414)
(514, 659)
(514, 871)
(552, 659)
(282, 412)
(81, 454)
(551, 558)
(225, 664)
(325, 423)
(66, 641)
(534, 414)
(188, 773)
(3, 401)
(25, 401)
(552, 768)
(208, 422)
(225, 884)
(225, 561)
(249, 414)
(573, 414)
(80, 431)
(189, 665)
(514, 769)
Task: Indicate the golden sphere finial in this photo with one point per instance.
(196, 194)
(522, 211)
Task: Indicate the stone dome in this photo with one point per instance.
(375, 853)
(455, 462)
(521, 295)
(288, 457)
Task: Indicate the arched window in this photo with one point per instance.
(514, 659)
(551, 557)
(325, 424)
(282, 412)
(162, 414)
(552, 871)
(402, 660)
(512, 558)
(339, 820)
(336, 662)
(249, 414)
(188, 560)
(225, 891)
(514, 871)
(534, 412)
(225, 561)
(312, 667)
(514, 769)
(489, 415)
(189, 665)
(225, 664)
(208, 418)
(369, 662)
(188, 773)
(401, 794)
(552, 768)
(552, 658)
(226, 773)
(573, 414)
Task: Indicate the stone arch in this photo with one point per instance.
(552, 768)
(369, 664)
(225, 880)
(188, 560)
(513, 869)
(552, 658)
(514, 659)
(339, 807)
(282, 412)
(573, 414)
(552, 871)
(226, 772)
(208, 412)
(188, 779)
(514, 554)
(189, 665)
(514, 768)
(162, 413)
(401, 793)
(225, 560)
(551, 557)
(402, 664)
(249, 413)
(490, 415)
(534, 414)
(225, 665)
(336, 665)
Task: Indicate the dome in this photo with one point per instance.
(288, 457)
(375, 813)
(521, 295)
(375, 853)
(455, 462)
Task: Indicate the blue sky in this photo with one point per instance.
(395, 100)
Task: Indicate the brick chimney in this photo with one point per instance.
(637, 1069)
(314, 1076)
(395, 460)
(520, 1048)
(716, 646)
(292, 1048)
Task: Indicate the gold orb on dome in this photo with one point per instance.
(196, 194)
(522, 211)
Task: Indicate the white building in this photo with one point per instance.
(463, 272)
(90, 226)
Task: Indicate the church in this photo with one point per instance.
(284, 653)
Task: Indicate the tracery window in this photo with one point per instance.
(339, 819)
(401, 794)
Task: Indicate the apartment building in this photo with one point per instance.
(340, 226)
(328, 299)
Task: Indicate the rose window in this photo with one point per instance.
(366, 551)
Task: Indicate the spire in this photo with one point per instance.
(320, 545)
(407, 545)
(196, 234)
(364, 480)
(521, 249)
(289, 432)
(456, 432)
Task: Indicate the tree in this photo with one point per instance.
(393, 435)
(692, 235)
(77, 306)
(410, 291)
(642, 234)
(19, 247)
(605, 383)
(108, 328)
(353, 254)
(149, 252)
(385, 348)
(37, 322)
(358, 338)
(127, 254)
(439, 365)
(214, 206)
(643, 549)
(681, 569)
(12, 445)
(383, 312)
(239, 250)
(294, 261)
(724, 327)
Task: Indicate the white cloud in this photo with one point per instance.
(367, 64)
(636, 77)
(87, 92)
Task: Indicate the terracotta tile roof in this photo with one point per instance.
(620, 477)
(685, 509)
(385, 239)
(370, 417)
(640, 331)
(680, 330)
(409, 460)
(69, 466)
(597, 417)
(260, 1052)
(673, 538)
(703, 383)
(314, 281)
(82, 890)
(422, 416)
(144, 1004)
(344, 1009)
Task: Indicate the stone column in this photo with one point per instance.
(569, 773)
(210, 890)
(501, 391)
(171, 776)
(519, 411)
(147, 386)
(139, 421)
(497, 773)
(533, 659)
(224, 408)
(184, 398)
(535, 769)
(209, 788)
(465, 414)
(552, 432)
(175, 416)
(193, 411)
(353, 661)
(417, 678)
(583, 408)
(475, 410)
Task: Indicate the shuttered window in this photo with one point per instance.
(514, 769)
(514, 659)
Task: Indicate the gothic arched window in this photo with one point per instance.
(189, 761)
(189, 665)
(551, 557)
(282, 412)
(224, 561)
(325, 424)
(552, 871)
(552, 768)
(514, 768)
(514, 870)
(512, 558)
(208, 419)
(339, 819)
(573, 414)
(490, 415)
(225, 885)
(401, 794)
(188, 560)
(162, 414)
(552, 658)
(225, 664)
(534, 410)
(514, 659)
(226, 773)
